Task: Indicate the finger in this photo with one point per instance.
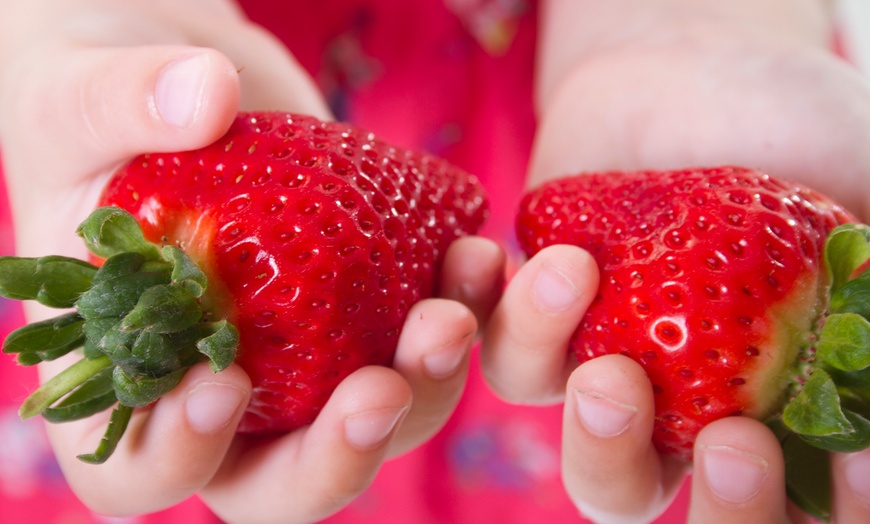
(432, 356)
(610, 468)
(98, 106)
(524, 354)
(739, 474)
(167, 453)
(311, 473)
(851, 486)
(473, 274)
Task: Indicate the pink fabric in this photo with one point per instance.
(453, 77)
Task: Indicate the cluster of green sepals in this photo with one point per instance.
(137, 319)
(831, 412)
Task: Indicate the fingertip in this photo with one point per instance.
(433, 357)
(616, 375)
(199, 88)
(323, 465)
(193, 425)
(851, 486)
(739, 471)
(607, 452)
(435, 340)
(610, 392)
(566, 276)
(373, 397)
(474, 274)
(345, 446)
(215, 402)
(367, 430)
(194, 96)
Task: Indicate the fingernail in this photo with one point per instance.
(857, 472)
(553, 291)
(211, 406)
(443, 362)
(368, 429)
(603, 416)
(734, 476)
(179, 90)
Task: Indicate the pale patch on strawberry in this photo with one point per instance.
(782, 363)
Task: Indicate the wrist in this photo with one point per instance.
(574, 31)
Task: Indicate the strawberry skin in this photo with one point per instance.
(712, 279)
(316, 237)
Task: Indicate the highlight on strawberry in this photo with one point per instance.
(291, 246)
(739, 294)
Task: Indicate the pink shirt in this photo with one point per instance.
(463, 69)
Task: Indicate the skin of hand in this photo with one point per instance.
(88, 84)
(628, 84)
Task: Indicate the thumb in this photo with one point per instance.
(95, 107)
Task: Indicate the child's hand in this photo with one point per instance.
(84, 86)
(678, 90)
(671, 88)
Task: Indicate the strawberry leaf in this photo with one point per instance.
(845, 342)
(140, 352)
(220, 347)
(61, 384)
(185, 271)
(853, 297)
(95, 395)
(120, 265)
(118, 296)
(114, 339)
(163, 309)
(816, 410)
(857, 440)
(95, 330)
(28, 359)
(109, 231)
(850, 379)
(137, 391)
(137, 317)
(847, 248)
(808, 477)
(156, 354)
(46, 340)
(53, 281)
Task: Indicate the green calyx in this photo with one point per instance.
(137, 319)
(831, 410)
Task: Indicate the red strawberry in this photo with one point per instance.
(315, 238)
(714, 280)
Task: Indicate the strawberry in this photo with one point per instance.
(293, 246)
(717, 281)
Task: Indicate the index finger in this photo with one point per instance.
(525, 348)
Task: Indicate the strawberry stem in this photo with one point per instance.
(138, 318)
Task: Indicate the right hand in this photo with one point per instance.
(666, 88)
